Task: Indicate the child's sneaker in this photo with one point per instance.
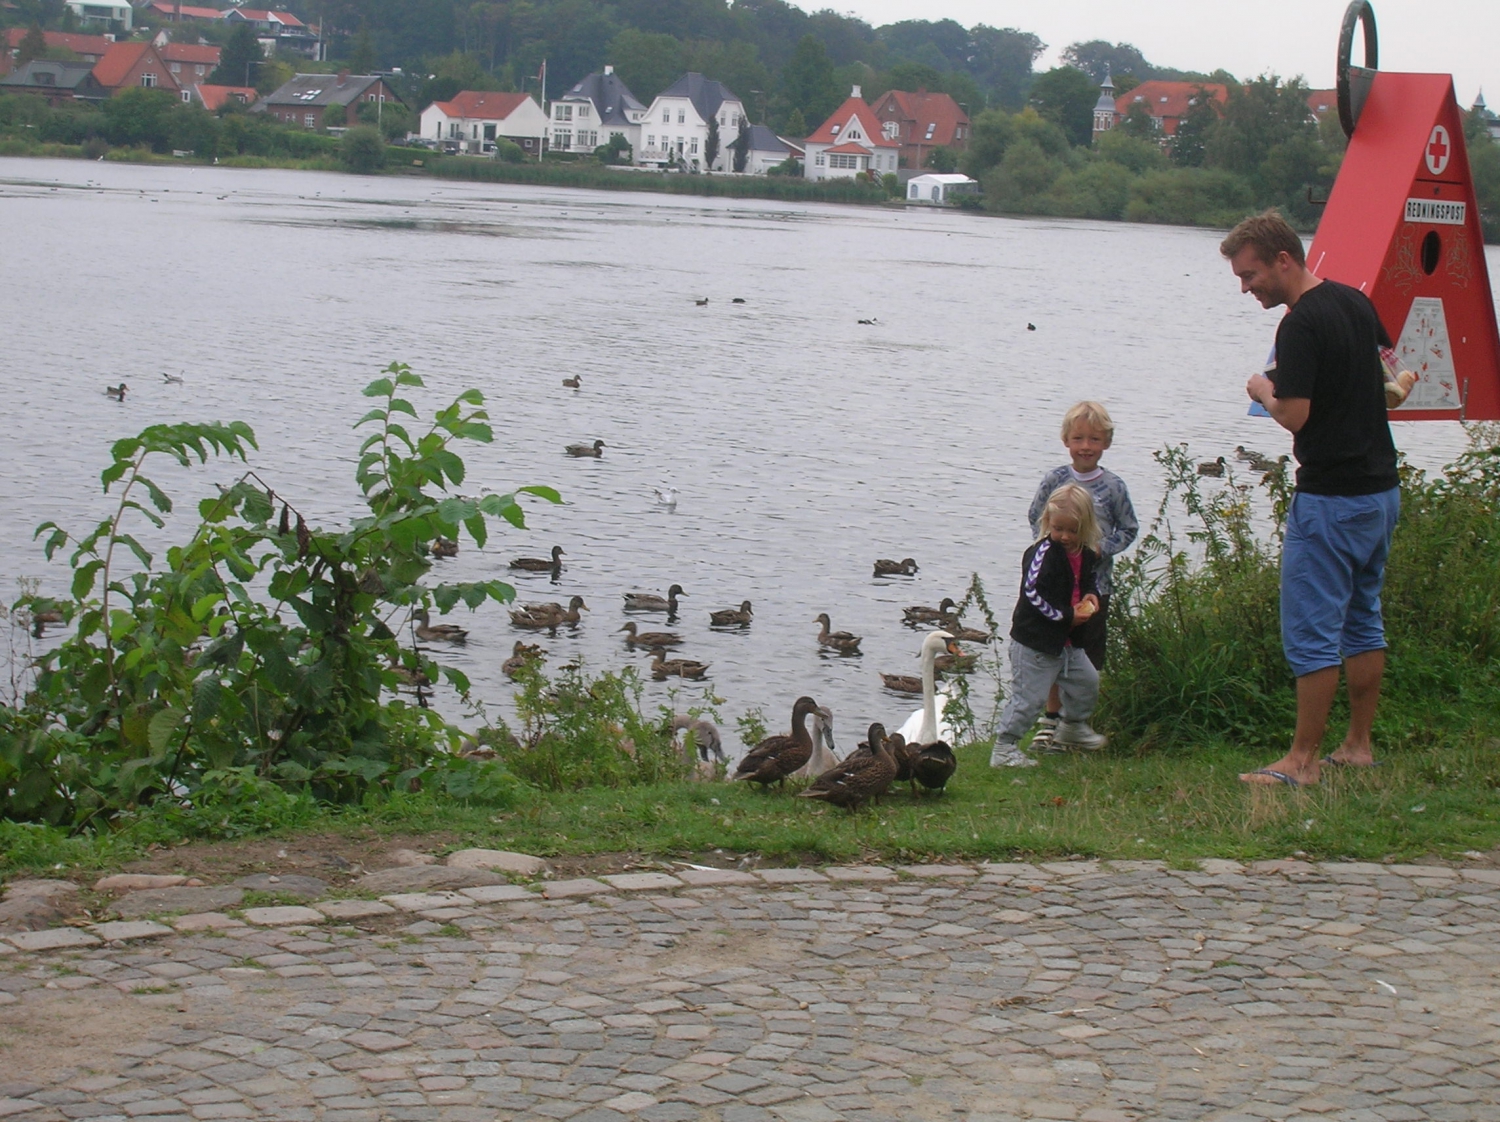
(1078, 734)
(1046, 729)
(1010, 755)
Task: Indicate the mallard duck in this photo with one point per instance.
(663, 667)
(548, 617)
(860, 778)
(1246, 454)
(958, 631)
(702, 302)
(1264, 465)
(956, 663)
(650, 602)
(776, 757)
(444, 632)
(521, 656)
(923, 726)
(841, 641)
(443, 547)
(729, 617)
(918, 613)
(43, 618)
(901, 683)
(571, 383)
(888, 568)
(650, 638)
(594, 450)
(417, 678)
(540, 564)
(1214, 468)
(934, 766)
(824, 753)
(116, 392)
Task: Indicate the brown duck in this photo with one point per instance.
(522, 655)
(934, 766)
(919, 613)
(776, 757)
(841, 641)
(540, 564)
(549, 617)
(887, 568)
(861, 777)
(663, 667)
(729, 617)
(437, 632)
(444, 547)
(650, 638)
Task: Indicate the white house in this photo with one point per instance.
(676, 126)
(596, 109)
(849, 142)
(938, 187)
(475, 119)
(767, 150)
(120, 12)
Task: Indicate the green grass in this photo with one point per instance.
(1432, 802)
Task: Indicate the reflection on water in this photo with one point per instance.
(804, 444)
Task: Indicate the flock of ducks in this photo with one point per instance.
(1257, 462)
(918, 757)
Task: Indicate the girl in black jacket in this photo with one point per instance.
(1058, 594)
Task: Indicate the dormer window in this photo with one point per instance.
(892, 129)
(931, 128)
(836, 130)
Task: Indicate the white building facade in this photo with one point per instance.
(849, 142)
(476, 120)
(676, 128)
(596, 109)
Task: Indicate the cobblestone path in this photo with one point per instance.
(1341, 992)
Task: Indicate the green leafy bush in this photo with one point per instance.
(262, 643)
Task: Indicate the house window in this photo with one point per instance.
(176, 68)
(200, 70)
(666, 116)
(148, 80)
(310, 120)
(681, 116)
(693, 146)
(473, 132)
(562, 138)
(651, 141)
(562, 112)
(891, 129)
(836, 160)
(583, 111)
(820, 159)
(836, 129)
(453, 127)
(931, 128)
(187, 96)
(592, 140)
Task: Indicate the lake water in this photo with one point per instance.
(804, 444)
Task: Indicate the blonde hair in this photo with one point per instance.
(1089, 413)
(1076, 503)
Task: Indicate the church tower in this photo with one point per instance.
(1104, 108)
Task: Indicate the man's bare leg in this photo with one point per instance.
(1315, 693)
(1364, 673)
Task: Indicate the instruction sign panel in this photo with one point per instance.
(1424, 348)
(1436, 212)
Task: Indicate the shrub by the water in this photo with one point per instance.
(262, 647)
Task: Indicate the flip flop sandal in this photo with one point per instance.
(1280, 777)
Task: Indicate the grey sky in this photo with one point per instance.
(1290, 37)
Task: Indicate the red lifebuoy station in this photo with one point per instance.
(1402, 225)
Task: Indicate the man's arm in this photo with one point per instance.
(1288, 412)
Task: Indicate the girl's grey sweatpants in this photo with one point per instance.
(1031, 676)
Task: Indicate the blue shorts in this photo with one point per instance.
(1332, 567)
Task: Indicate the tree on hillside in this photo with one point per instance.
(941, 44)
(807, 82)
(1000, 59)
(1137, 122)
(735, 63)
(909, 76)
(646, 61)
(1098, 57)
(711, 143)
(990, 134)
(362, 53)
(33, 45)
(796, 125)
(1258, 116)
(1066, 96)
(240, 53)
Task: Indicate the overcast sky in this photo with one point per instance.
(1290, 37)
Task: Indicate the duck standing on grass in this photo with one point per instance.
(861, 777)
(777, 757)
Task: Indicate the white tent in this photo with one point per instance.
(938, 187)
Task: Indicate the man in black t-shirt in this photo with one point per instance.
(1327, 390)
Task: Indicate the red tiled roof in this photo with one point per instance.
(923, 109)
(482, 104)
(167, 8)
(850, 148)
(1322, 102)
(853, 108)
(118, 61)
(189, 52)
(1168, 99)
(78, 44)
(215, 98)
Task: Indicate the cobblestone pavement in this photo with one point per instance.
(1065, 991)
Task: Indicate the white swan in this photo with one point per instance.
(824, 755)
(924, 726)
